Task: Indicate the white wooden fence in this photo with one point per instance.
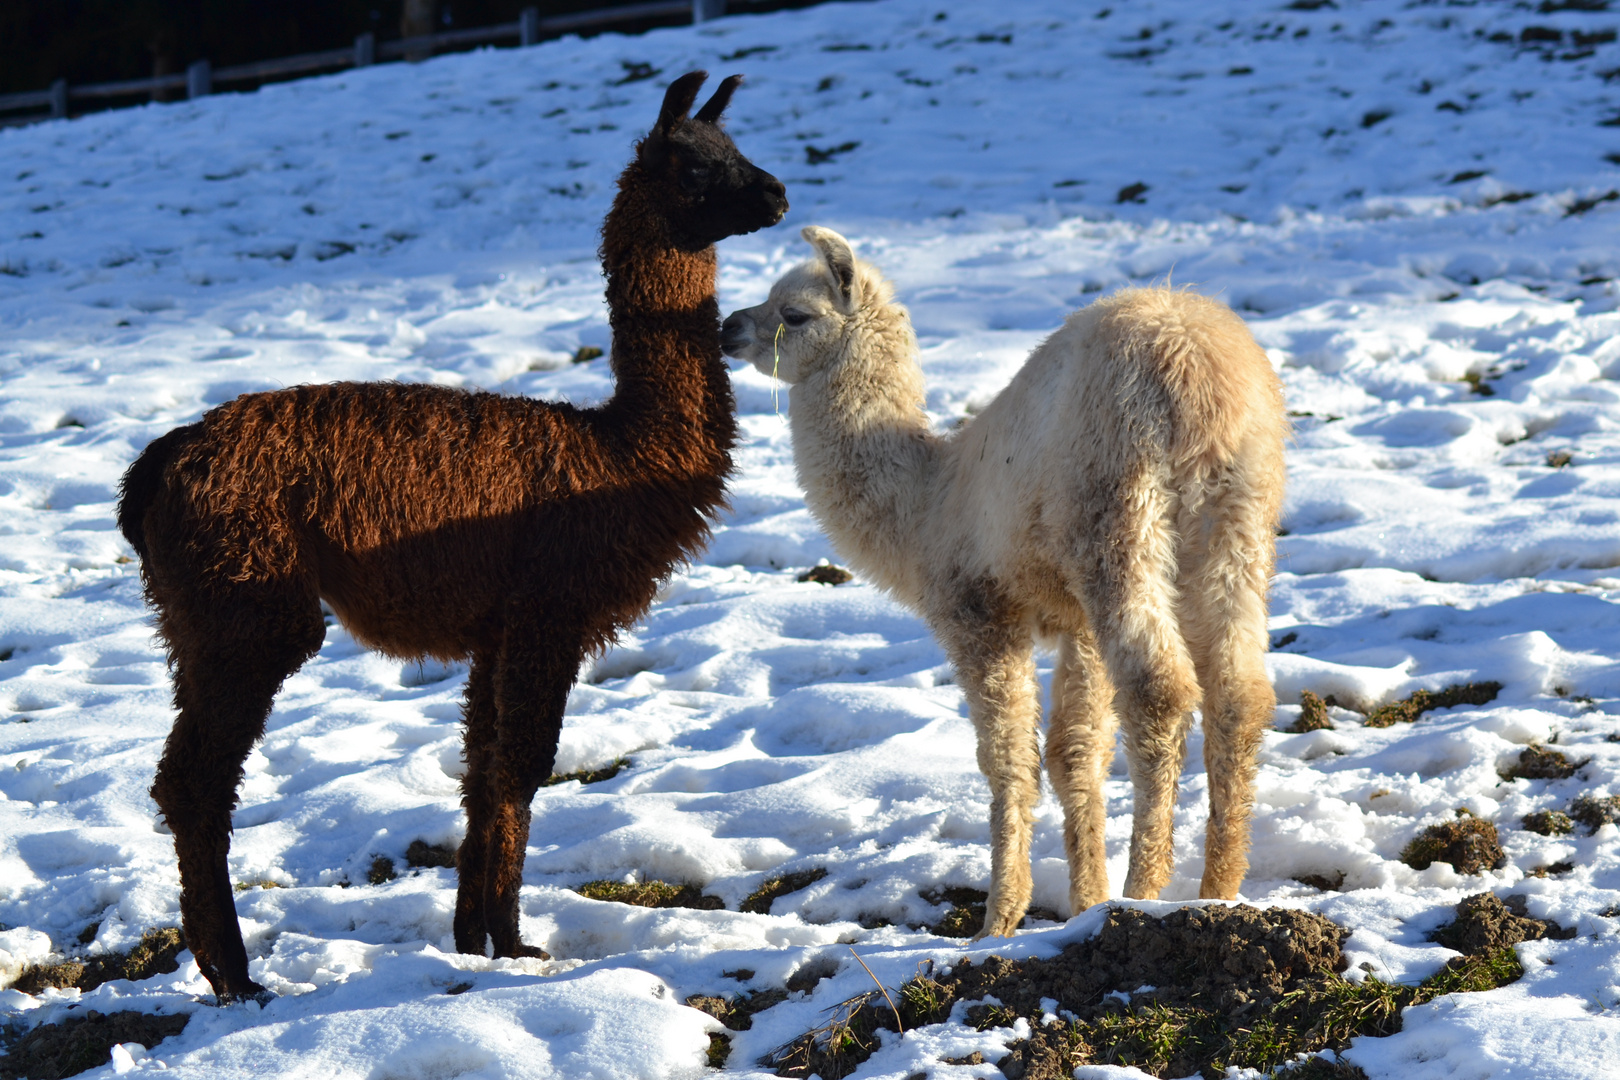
(200, 78)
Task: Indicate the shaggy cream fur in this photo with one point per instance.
(1120, 495)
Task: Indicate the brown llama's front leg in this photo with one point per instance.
(995, 663)
(224, 698)
(1079, 746)
(478, 797)
(537, 669)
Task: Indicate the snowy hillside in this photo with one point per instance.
(1415, 205)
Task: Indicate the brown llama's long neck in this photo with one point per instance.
(673, 409)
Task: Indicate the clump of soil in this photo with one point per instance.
(588, 776)
(1313, 715)
(759, 901)
(52, 1051)
(1540, 763)
(1197, 991)
(826, 574)
(1408, 709)
(421, 854)
(1323, 882)
(155, 954)
(1486, 924)
(381, 871)
(1549, 823)
(653, 894)
(966, 916)
(737, 1011)
(1469, 844)
(1595, 812)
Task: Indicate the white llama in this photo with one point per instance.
(1120, 495)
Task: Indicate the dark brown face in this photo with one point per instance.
(713, 191)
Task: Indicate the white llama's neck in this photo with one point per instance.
(866, 458)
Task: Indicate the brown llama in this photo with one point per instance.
(517, 534)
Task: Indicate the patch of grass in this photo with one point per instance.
(1595, 812)
(1551, 869)
(1325, 882)
(1557, 459)
(966, 916)
(588, 776)
(381, 871)
(71, 1046)
(261, 883)
(154, 954)
(1409, 708)
(759, 901)
(1313, 715)
(1132, 193)
(719, 1049)
(651, 894)
(815, 155)
(423, 854)
(1540, 763)
(1178, 1029)
(827, 574)
(586, 353)
(1549, 823)
(1477, 384)
(1469, 844)
(737, 1011)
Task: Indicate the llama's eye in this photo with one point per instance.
(795, 318)
(694, 177)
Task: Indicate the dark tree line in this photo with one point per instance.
(90, 41)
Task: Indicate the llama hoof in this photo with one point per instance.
(253, 992)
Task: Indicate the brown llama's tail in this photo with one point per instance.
(143, 480)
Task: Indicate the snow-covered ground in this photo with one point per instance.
(1400, 198)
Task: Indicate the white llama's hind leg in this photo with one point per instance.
(1223, 597)
(1128, 587)
(1079, 747)
(995, 663)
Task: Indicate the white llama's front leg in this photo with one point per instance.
(995, 663)
(1079, 746)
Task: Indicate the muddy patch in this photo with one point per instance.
(52, 1051)
(1540, 763)
(1195, 992)
(156, 954)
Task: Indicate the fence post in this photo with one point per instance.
(704, 10)
(529, 26)
(59, 99)
(365, 49)
(200, 79)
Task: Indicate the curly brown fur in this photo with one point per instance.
(520, 535)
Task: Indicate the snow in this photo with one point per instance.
(438, 222)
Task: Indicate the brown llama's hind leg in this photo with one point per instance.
(478, 797)
(224, 691)
(537, 667)
(1079, 747)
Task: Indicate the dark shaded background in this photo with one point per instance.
(92, 41)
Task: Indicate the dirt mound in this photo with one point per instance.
(1408, 709)
(1221, 957)
(1485, 924)
(1197, 991)
(1469, 844)
(155, 954)
(1540, 763)
(52, 1051)
(653, 894)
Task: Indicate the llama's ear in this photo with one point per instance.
(710, 113)
(835, 252)
(678, 99)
